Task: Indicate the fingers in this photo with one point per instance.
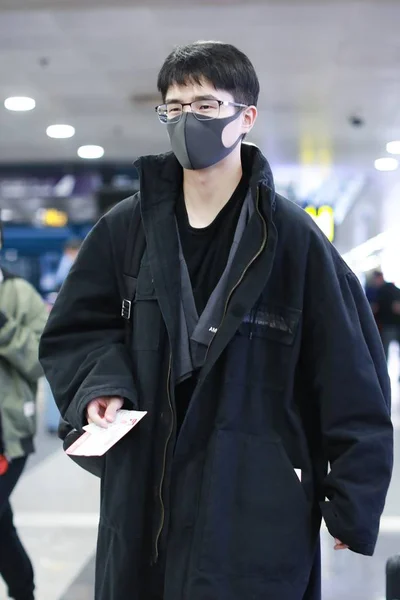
(339, 545)
(94, 416)
(113, 407)
(103, 411)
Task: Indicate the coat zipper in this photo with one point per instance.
(264, 242)
(164, 462)
(239, 281)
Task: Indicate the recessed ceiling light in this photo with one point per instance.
(393, 147)
(19, 103)
(90, 152)
(386, 164)
(60, 131)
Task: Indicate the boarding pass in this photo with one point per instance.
(97, 440)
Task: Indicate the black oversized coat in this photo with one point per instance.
(289, 420)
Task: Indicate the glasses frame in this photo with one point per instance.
(177, 119)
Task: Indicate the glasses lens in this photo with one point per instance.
(173, 112)
(205, 110)
(162, 113)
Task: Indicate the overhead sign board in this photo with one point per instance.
(325, 218)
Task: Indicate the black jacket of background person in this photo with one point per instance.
(386, 295)
(295, 378)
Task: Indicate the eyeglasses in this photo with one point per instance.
(203, 110)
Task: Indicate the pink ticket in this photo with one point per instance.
(96, 440)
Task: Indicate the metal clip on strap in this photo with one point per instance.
(126, 309)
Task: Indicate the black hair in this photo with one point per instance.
(223, 65)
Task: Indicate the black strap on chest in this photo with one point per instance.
(134, 250)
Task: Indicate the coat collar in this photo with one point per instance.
(161, 175)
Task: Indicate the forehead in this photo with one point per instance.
(192, 90)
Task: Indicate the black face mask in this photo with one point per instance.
(198, 144)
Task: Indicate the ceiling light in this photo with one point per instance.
(60, 131)
(90, 152)
(19, 103)
(393, 147)
(386, 164)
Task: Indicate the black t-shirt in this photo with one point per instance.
(206, 253)
(206, 250)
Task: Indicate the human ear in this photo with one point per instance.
(249, 117)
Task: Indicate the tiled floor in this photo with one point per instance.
(82, 587)
(56, 506)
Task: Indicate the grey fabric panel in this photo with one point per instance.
(196, 333)
(213, 312)
(188, 319)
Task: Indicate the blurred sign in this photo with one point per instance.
(51, 201)
(51, 217)
(63, 186)
(325, 219)
(54, 212)
(47, 197)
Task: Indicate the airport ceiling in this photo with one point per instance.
(93, 64)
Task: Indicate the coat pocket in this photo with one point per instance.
(256, 517)
(263, 350)
(276, 323)
(147, 319)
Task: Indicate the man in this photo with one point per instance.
(253, 351)
(386, 307)
(22, 319)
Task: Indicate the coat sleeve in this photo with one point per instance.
(82, 349)
(20, 331)
(351, 389)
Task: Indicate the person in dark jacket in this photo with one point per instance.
(253, 350)
(386, 307)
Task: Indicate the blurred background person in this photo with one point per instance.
(70, 253)
(385, 302)
(68, 257)
(371, 292)
(22, 318)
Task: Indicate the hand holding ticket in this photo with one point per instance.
(103, 410)
(97, 440)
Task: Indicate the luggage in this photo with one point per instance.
(393, 578)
